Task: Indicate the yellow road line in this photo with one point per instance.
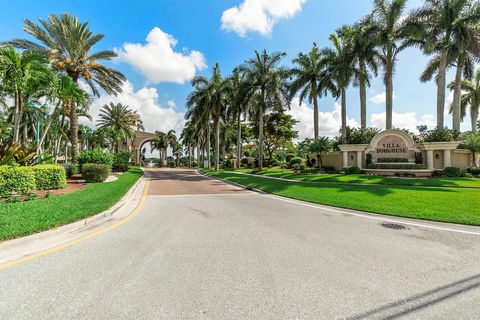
(68, 244)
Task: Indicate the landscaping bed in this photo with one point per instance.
(24, 218)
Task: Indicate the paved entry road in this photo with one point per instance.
(201, 249)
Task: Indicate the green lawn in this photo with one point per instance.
(24, 218)
(369, 179)
(447, 204)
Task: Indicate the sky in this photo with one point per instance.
(163, 44)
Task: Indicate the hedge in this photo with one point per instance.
(23, 180)
(20, 180)
(400, 166)
(389, 160)
(95, 172)
(98, 156)
(49, 177)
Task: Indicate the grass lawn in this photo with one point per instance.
(24, 218)
(446, 204)
(369, 179)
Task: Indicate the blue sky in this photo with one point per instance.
(201, 41)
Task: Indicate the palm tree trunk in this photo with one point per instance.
(239, 140)
(389, 101)
(74, 131)
(363, 98)
(344, 116)
(216, 126)
(16, 116)
(474, 116)
(457, 94)
(260, 135)
(208, 144)
(315, 117)
(441, 83)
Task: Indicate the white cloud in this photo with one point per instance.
(407, 120)
(158, 61)
(259, 15)
(380, 98)
(145, 102)
(329, 122)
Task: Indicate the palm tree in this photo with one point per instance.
(267, 88)
(308, 79)
(119, 118)
(68, 43)
(171, 139)
(341, 68)
(367, 60)
(393, 33)
(446, 25)
(237, 105)
(19, 72)
(470, 99)
(210, 95)
(160, 143)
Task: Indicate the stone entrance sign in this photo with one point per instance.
(392, 144)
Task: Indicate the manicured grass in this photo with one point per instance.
(24, 218)
(456, 205)
(369, 179)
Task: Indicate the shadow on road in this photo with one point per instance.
(400, 308)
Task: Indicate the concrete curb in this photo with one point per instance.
(15, 249)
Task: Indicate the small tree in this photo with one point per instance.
(320, 146)
(472, 143)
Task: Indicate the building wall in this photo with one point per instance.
(462, 159)
(333, 159)
(438, 159)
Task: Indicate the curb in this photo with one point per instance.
(16, 251)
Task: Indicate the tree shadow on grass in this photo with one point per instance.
(415, 303)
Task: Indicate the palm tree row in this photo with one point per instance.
(449, 30)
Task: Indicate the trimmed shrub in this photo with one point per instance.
(49, 176)
(351, 170)
(97, 156)
(70, 169)
(400, 166)
(289, 157)
(121, 161)
(294, 161)
(248, 162)
(474, 171)
(19, 180)
(329, 169)
(390, 160)
(453, 172)
(298, 167)
(95, 172)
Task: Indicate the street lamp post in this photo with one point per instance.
(43, 111)
(283, 152)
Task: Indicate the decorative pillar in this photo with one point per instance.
(359, 159)
(477, 161)
(345, 158)
(447, 162)
(430, 159)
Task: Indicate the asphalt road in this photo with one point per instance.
(201, 249)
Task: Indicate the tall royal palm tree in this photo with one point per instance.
(19, 72)
(119, 118)
(68, 44)
(342, 69)
(309, 79)
(267, 88)
(470, 99)
(211, 96)
(447, 27)
(367, 60)
(393, 34)
(237, 105)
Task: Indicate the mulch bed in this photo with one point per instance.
(74, 183)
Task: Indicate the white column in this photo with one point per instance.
(477, 161)
(447, 162)
(430, 159)
(345, 158)
(359, 159)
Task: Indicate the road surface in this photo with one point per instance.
(202, 249)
